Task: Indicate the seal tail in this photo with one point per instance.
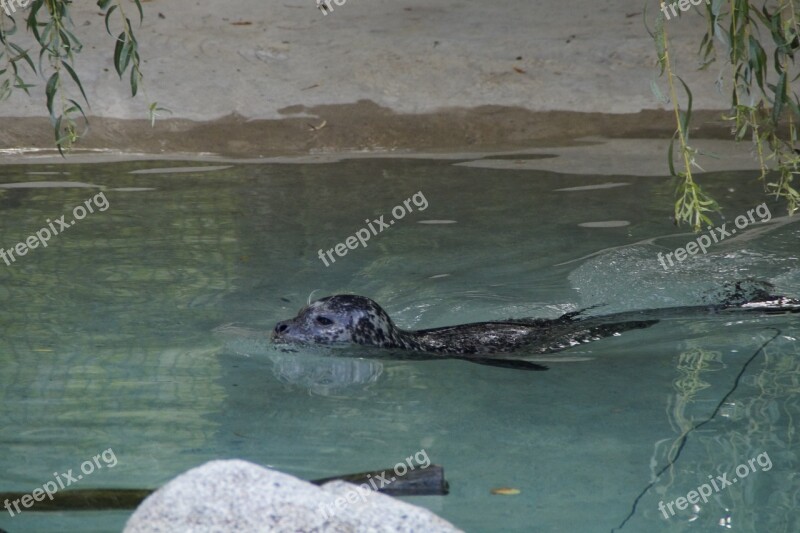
(750, 294)
(771, 305)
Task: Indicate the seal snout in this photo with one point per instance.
(280, 329)
(336, 319)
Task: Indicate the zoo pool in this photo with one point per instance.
(142, 328)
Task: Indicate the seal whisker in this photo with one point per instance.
(310, 295)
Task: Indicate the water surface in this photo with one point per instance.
(143, 329)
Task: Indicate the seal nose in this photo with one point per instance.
(280, 328)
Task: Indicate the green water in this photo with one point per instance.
(111, 339)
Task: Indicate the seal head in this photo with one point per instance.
(342, 318)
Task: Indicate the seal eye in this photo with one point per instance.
(324, 321)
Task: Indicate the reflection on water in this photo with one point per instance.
(109, 340)
(720, 423)
(325, 375)
(322, 374)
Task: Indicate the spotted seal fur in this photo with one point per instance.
(359, 320)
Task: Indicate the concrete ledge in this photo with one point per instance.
(360, 127)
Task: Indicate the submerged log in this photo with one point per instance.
(428, 481)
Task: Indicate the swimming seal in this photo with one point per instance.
(359, 320)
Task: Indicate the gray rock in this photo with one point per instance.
(235, 495)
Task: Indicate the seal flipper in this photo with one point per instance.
(505, 363)
(567, 317)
